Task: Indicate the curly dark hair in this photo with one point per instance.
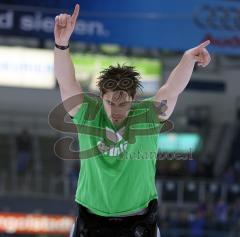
(120, 77)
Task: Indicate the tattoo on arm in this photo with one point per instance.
(161, 108)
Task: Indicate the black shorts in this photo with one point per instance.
(91, 225)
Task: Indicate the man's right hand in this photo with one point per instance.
(64, 26)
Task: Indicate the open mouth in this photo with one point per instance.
(116, 117)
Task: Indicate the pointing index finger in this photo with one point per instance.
(75, 13)
(204, 44)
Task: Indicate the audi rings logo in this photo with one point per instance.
(217, 18)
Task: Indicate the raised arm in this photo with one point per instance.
(63, 66)
(180, 77)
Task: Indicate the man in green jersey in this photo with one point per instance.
(116, 191)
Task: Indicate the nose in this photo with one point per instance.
(116, 111)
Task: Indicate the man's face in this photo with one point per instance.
(117, 105)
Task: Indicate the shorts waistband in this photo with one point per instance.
(140, 212)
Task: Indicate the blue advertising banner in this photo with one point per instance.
(171, 25)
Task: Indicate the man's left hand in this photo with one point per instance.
(199, 54)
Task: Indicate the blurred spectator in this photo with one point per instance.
(24, 150)
(197, 224)
(221, 213)
(209, 217)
